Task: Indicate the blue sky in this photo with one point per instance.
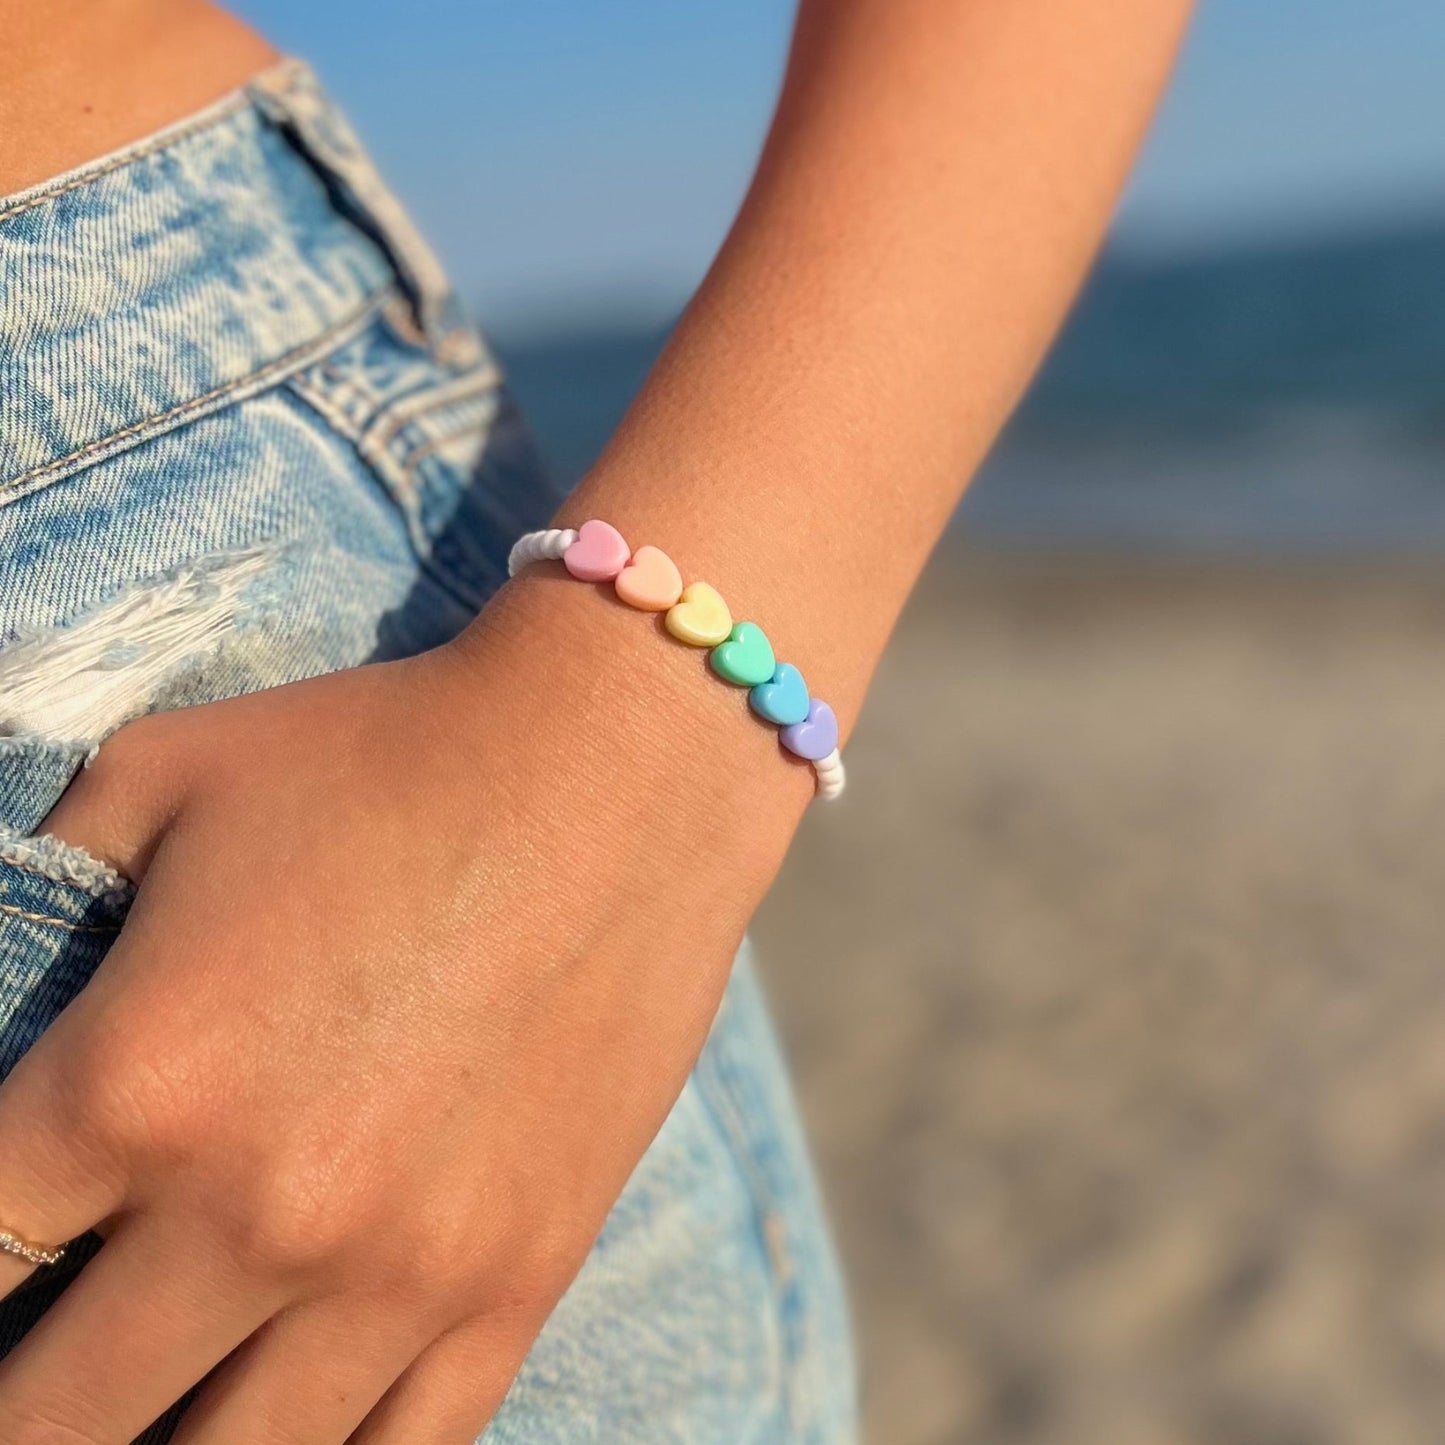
(572, 158)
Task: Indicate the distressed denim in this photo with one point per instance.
(248, 437)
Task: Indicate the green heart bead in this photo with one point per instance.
(746, 658)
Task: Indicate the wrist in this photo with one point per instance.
(635, 718)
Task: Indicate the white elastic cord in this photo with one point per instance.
(549, 546)
(545, 546)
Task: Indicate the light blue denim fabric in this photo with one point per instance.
(228, 343)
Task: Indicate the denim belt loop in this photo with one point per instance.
(289, 95)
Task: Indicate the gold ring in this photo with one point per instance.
(30, 1253)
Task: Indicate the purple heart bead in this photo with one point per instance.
(816, 736)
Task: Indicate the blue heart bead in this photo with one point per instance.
(783, 699)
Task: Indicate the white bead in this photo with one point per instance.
(545, 546)
(830, 774)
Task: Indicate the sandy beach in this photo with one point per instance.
(1114, 993)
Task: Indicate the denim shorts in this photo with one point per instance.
(248, 436)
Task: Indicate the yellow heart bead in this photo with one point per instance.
(700, 617)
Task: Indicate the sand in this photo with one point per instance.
(1114, 992)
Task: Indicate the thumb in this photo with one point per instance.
(120, 804)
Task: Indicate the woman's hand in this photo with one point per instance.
(421, 957)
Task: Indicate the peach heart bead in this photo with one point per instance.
(598, 554)
(651, 581)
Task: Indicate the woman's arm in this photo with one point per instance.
(402, 1126)
(937, 178)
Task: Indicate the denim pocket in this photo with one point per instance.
(447, 444)
(34, 773)
(743, 1082)
(55, 927)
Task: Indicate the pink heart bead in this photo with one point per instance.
(598, 554)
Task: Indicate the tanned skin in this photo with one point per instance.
(81, 78)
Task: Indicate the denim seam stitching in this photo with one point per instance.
(331, 416)
(425, 449)
(417, 454)
(395, 419)
(397, 476)
(329, 407)
(125, 158)
(387, 420)
(9, 864)
(283, 363)
(32, 869)
(458, 587)
(17, 912)
(351, 400)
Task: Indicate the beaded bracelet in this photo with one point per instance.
(648, 579)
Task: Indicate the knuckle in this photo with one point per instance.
(520, 1270)
(296, 1218)
(128, 1100)
(418, 1264)
(439, 1257)
(547, 1256)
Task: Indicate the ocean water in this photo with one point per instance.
(1273, 399)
